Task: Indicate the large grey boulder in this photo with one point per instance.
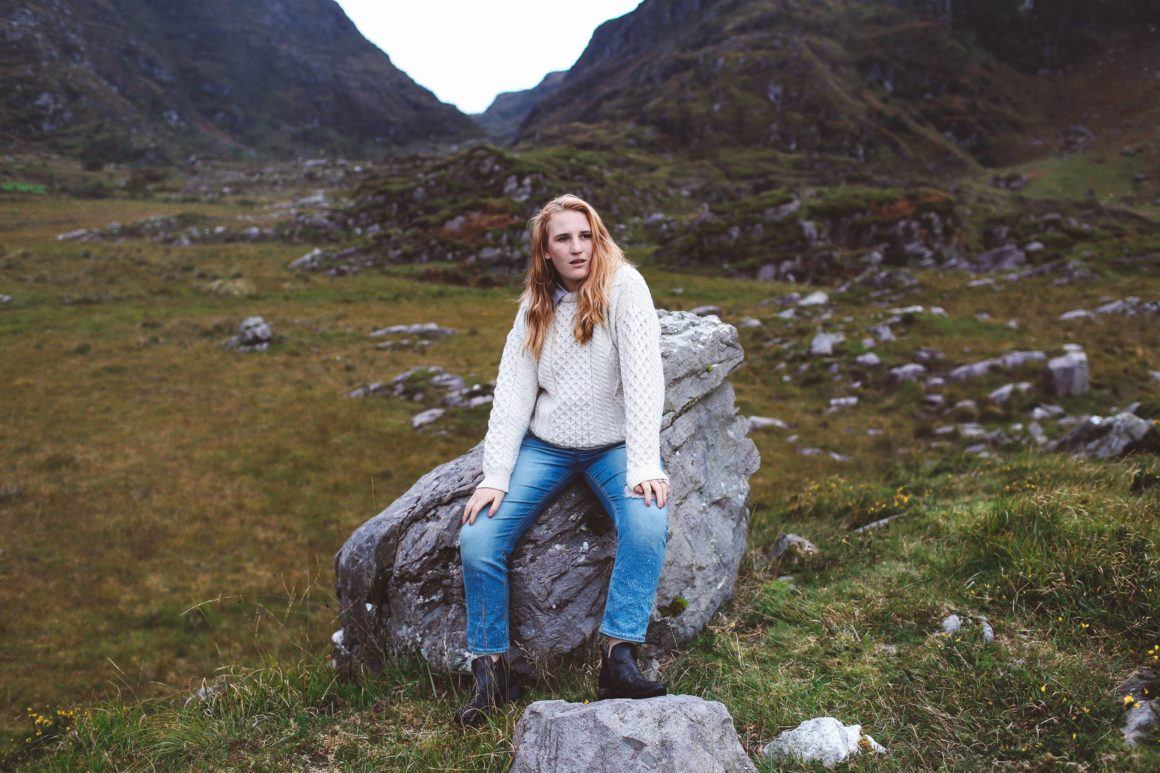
(399, 580)
(672, 732)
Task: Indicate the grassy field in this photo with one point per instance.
(170, 510)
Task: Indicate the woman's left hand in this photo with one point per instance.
(658, 489)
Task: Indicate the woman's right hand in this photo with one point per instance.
(479, 500)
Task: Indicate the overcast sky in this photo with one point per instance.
(467, 51)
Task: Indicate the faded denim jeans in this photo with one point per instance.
(541, 471)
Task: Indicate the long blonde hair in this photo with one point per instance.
(542, 278)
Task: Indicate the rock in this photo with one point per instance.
(254, 335)
(874, 524)
(1036, 432)
(1017, 359)
(909, 372)
(1136, 694)
(1001, 258)
(1003, 393)
(1099, 438)
(419, 329)
(823, 739)
(668, 733)
(5, 298)
(952, 624)
(843, 402)
(869, 359)
(988, 634)
(428, 416)
(1066, 376)
(790, 545)
(1041, 412)
(760, 422)
(882, 332)
(751, 322)
(404, 562)
(704, 311)
(823, 343)
(816, 298)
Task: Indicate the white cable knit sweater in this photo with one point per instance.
(610, 390)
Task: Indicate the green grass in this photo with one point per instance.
(170, 510)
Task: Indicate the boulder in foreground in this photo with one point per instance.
(672, 732)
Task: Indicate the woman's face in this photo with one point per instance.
(570, 247)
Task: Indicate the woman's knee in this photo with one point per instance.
(647, 525)
(477, 545)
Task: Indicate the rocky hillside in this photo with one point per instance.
(930, 86)
(132, 79)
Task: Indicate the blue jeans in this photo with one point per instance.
(541, 471)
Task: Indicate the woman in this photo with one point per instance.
(579, 394)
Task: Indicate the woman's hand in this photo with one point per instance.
(658, 488)
(479, 500)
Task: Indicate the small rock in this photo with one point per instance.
(824, 740)
(816, 298)
(760, 422)
(869, 359)
(952, 624)
(1066, 376)
(426, 417)
(823, 343)
(909, 372)
(705, 311)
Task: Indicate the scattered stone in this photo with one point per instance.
(426, 417)
(988, 631)
(1136, 694)
(843, 402)
(1003, 258)
(751, 322)
(419, 329)
(705, 311)
(1066, 376)
(789, 545)
(1100, 438)
(823, 343)
(1036, 432)
(824, 740)
(869, 359)
(786, 314)
(760, 422)
(1041, 412)
(883, 332)
(309, 260)
(254, 335)
(874, 524)
(934, 400)
(816, 298)
(670, 732)
(909, 372)
(952, 624)
(5, 298)
(1003, 393)
(208, 690)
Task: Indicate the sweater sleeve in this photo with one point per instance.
(516, 389)
(638, 333)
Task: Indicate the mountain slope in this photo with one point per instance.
(123, 78)
(871, 82)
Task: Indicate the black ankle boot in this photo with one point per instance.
(620, 678)
(495, 685)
